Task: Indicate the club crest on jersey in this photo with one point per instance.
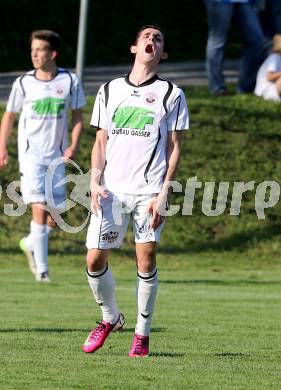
(150, 98)
(59, 89)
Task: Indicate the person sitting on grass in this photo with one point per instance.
(268, 85)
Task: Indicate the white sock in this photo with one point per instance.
(103, 286)
(28, 239)
(28, 242)
(39, 239)
(147, 285)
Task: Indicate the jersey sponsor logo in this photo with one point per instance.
(139, 133)
(133, 117)
(48, 106)
(150, 98)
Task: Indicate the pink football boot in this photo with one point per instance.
(140, 346)
(98, 335)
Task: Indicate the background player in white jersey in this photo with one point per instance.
(43, 97)
(138, 118)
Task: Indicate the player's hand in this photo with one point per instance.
(156, 208)
(97, 192)
(69, 153)
(3, 158)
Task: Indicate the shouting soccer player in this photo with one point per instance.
(43, 96)
(138, 120)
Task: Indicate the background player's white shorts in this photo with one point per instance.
(38, 187)
(270, 93)
(108, 228)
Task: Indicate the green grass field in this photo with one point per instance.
(214, 327)
(217, 319)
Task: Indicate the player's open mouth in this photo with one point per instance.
(149, 48)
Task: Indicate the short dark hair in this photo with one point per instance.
(49, 36)
(144, 27)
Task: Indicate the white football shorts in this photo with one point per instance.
(107, 229)
(40, 185)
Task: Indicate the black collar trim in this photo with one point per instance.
(144, 84)
(46, 81)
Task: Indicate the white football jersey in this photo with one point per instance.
(137, 120)
(44, 105)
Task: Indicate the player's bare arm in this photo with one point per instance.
(5, 132)
(173, 157)
(273, 76)
(77, 127)
(98, 164)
